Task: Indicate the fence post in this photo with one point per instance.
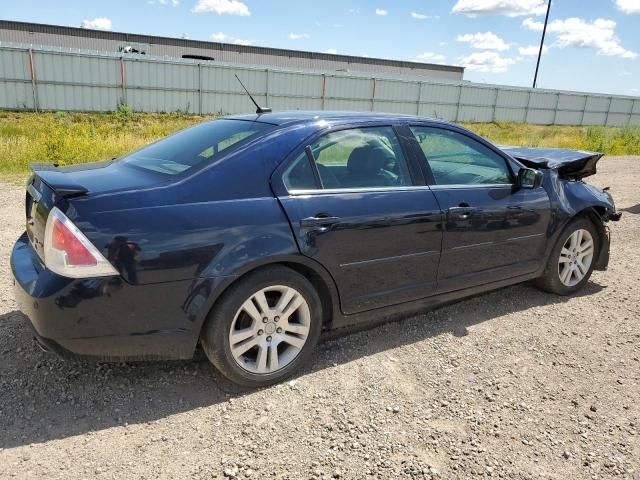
(373, 93)
(420, 85)
(458, 102)
(199, 88)
(495, 105)
(555, 110)
(584, 109)
(266, 90)
(606, 119)
(526, 108)
(122, 82)
(324, 89)
(34, 90)
(633, 106)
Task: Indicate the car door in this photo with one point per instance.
(357, 207)
(493, 230)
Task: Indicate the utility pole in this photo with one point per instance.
(544, 31)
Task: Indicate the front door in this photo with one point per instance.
(493, 230)
(355, 208)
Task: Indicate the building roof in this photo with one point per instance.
(187, 43)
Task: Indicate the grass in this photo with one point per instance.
(68, 138)
(608, 140)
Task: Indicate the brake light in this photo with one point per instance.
(69, 253)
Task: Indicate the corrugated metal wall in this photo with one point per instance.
(97, 40)
(40, 79)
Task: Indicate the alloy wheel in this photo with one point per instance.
(575, 257)
(270, 329)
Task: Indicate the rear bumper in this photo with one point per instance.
(102, 318)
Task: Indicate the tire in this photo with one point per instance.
(245, 337)
(577, 256)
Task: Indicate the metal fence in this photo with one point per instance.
(62, 79)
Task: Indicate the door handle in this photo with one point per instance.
(461, 212)
(319, 221)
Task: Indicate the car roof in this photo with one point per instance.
(301, 116)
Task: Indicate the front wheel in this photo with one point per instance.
(572, 259)
(264, 327)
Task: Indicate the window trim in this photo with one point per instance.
(427, 166)
(416, 182)
(334, 191)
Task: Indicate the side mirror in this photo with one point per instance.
(530, 178)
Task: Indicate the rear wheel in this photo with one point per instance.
(264, 327)
(572, 259)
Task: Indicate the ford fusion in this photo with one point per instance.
(250, 235)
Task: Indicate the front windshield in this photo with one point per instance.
(194, 146)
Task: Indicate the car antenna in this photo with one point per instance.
(259, 110)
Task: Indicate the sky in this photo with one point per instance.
(591, 45)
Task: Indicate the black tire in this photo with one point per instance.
(215, 333)
(550, 281)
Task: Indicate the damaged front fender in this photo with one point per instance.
(571, 198)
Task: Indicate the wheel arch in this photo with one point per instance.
(311, 270)
(596, 215)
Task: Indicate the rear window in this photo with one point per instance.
(194, 146)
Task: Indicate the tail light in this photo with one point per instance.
(69, 253)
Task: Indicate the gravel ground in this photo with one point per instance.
(512, 384)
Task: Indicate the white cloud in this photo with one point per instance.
(418, 16)
(510, 8)
(174, 3)
(628, 6)
(332, 51)
(429, 57)
(484, 41)
(531, 50)
(337, 25)
(298, 36)
(380, 11)
(354, 10)
(223, 37)
(219, 37)
(99, 23)
(222, 7)
(487, 62)
(185, 36)
(576, 32)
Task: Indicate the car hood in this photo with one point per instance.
(571, 164)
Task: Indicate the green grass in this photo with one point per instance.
(68, 138)
(608, 140)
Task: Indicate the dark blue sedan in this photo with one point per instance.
(252, 234)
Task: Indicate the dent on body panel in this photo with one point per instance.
(183, 242)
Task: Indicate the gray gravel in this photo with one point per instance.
(512, 384)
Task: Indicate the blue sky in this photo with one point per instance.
(594, 45)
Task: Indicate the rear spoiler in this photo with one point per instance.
(50, 174)
(571, 164)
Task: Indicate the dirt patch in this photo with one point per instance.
(513, 384)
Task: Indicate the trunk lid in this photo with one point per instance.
(53, 186)
(570, 164)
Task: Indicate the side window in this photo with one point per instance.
(354, 158)
(456, 159)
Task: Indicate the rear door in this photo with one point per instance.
(493, 229)
(357, 207)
